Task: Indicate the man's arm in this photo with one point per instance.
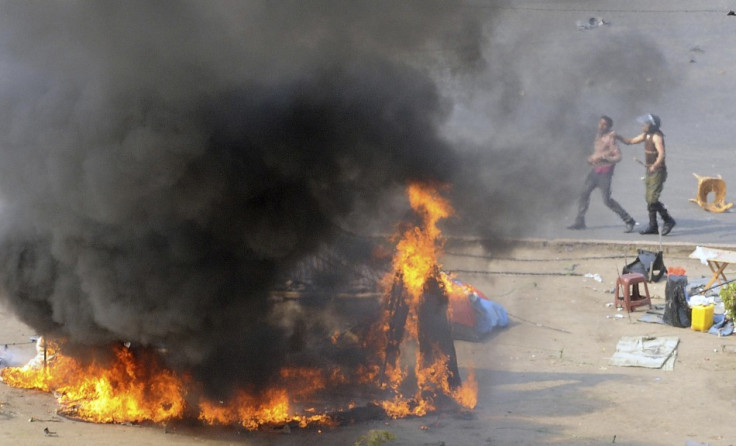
(634, 140)
(614, 154)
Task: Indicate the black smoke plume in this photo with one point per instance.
(163, 163)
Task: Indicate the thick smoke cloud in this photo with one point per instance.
(163, 163)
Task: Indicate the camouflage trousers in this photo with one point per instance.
(654, 182)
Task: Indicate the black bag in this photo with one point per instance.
(676, 310)
(649, 264)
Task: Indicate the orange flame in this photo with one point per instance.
(137, 389)
(418, 251)
(415, 262)
(129, 389)
(275, 405)
(250, 412)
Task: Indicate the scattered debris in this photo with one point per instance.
(695, 49)
(45, 420)
(699, 299)
(49, 433)
(654, 315)
(593, 22)
(722, 326)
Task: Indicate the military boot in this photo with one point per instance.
(652, 228)
(669, 222)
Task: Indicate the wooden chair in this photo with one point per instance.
(713, 187)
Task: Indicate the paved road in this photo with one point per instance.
(697, 105)
(694, 224)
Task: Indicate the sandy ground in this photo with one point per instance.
(544, 379)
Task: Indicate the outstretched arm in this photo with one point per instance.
(629, 141)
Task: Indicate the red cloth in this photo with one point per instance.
(604, 169)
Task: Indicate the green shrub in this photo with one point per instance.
(375, 438)
(728, 296)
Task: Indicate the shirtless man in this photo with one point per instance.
(654, 155)
(604, 158)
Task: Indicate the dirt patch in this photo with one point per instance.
(544, 379)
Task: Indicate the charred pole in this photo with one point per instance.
(434, 331)
(397, 311)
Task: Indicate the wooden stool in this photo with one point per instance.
(627, 292)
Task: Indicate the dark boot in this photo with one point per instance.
(668, 225)
(652, 228)
(579, 224)
(669, 222)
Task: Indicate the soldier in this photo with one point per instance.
(654, 156)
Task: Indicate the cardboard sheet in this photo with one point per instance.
(646, 351)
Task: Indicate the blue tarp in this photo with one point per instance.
(489, 314)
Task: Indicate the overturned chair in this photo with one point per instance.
(708, 186)
(649, 264)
